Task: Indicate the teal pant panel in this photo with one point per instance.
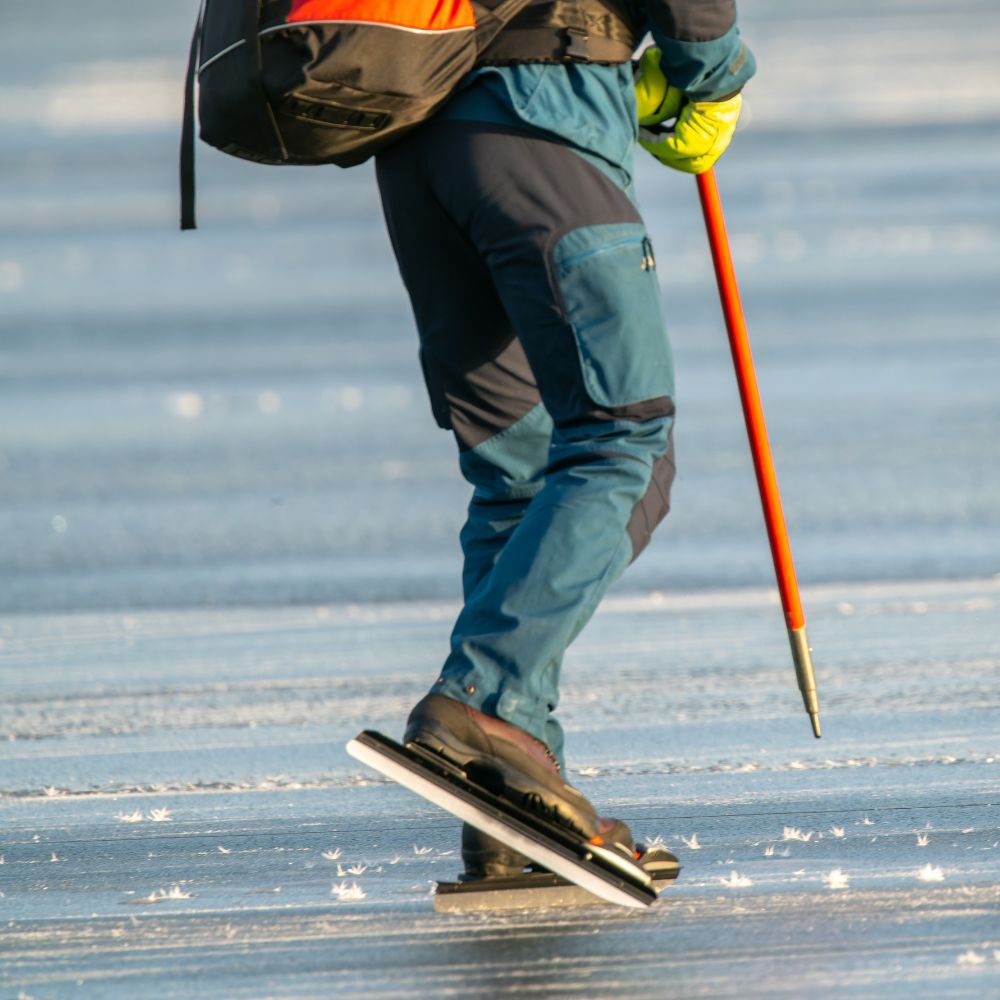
(506, 471)
(537, 568)
(607, 278)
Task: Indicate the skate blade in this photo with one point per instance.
(453, 794)
(492, 896)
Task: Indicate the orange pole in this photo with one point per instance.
(760, 448)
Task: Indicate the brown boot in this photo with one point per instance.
(486, 857)
(514, 765)
(499, 756)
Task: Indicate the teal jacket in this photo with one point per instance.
(592, 107)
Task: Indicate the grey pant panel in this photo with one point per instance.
(492, 397)
(473, 212)
(655, 504)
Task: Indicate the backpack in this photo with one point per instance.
(325, 81)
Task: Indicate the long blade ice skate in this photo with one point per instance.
(537, 890)
(600, 871)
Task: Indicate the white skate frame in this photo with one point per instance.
(466, 811)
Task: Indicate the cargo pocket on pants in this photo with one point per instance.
(611, 298)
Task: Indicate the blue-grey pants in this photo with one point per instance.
(544, 350)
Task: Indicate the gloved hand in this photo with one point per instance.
(703, 128)
(656, 99)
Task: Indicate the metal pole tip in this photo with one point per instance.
(802, 656)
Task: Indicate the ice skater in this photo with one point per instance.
(533, 284)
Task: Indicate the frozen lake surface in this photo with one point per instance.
(178, 810)
(227, 543)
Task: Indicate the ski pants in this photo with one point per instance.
(544, 351)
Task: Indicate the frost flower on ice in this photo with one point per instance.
(348, 893)
(970, 958)
(736, 881)
(794, 833)
(930, 874)
(174, 892)
(836, 879)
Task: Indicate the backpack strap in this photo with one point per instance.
(577, 34)
(492, 16)
(603, 31)
(188, 128)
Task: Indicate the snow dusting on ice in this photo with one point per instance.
(930, 873)
(166, 895)
(736, 881)
(971, 957)
(794, 833)
(836, 879)
(348, 893)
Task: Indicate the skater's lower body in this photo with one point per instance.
(544, 350)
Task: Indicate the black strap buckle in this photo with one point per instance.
(577, 47)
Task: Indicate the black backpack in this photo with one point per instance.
(325, 81)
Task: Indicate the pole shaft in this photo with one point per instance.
(760, 448)
(753, 413)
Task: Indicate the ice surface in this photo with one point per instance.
(280, 868)
(227, 543)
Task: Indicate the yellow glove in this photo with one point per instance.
(656, 99)
(699, 138)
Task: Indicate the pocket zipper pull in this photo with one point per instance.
(648, 260)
